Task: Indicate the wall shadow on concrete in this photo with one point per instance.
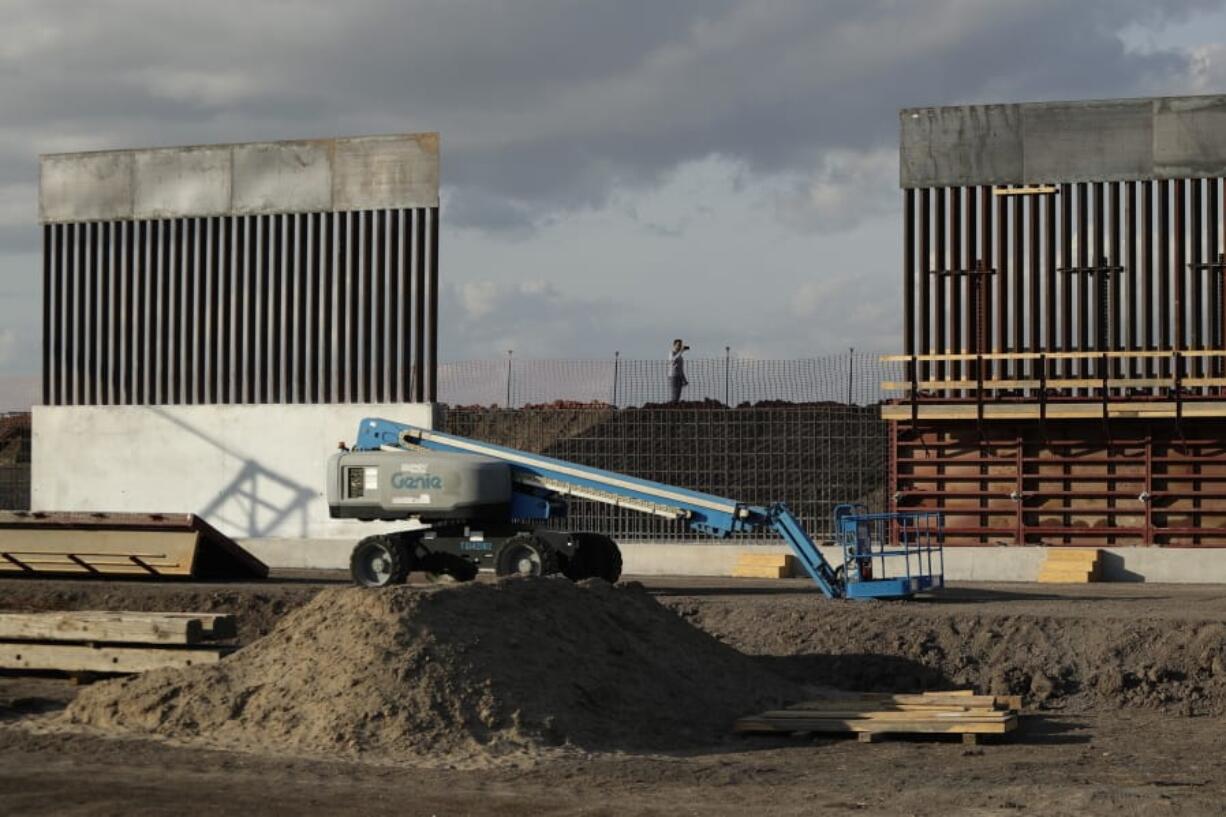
(1112, 569)
(258, 501)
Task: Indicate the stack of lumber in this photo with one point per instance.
(959, 712)
(111, 642)
(751, 565)
(1071, 566)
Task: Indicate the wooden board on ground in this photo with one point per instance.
(117, 627)
(956, 712)
(86, 658)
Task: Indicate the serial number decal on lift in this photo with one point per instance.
(471, 545)
(417, 482)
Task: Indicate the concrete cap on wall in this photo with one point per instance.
(357, 173)
(1055, 142)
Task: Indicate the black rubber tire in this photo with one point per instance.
(439, 565)
(509, 556)
(391, 550)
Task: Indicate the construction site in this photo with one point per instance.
(264, 551)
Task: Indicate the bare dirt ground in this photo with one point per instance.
(1126, 684)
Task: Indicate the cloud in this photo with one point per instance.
(846, 188)
(485, 318)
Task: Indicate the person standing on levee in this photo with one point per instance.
(676, 370)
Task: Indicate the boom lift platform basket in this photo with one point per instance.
(889, 555)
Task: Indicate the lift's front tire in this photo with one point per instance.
(379, 561)
(526, 555)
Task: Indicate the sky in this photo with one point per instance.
(614, 174)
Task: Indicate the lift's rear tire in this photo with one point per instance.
(526, 555)
(596, 556)
(379, 561)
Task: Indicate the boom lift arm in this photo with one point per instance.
(539, 481)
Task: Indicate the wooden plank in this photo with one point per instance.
(942, 715)
(1090, 355)
(1055, 411)
(119, 626)
(751, 725)
(768, 559)
(83, 658)
(1053, 383)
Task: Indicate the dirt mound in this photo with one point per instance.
(461, 675)
(1054, 662)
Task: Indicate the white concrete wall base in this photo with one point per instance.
(987, 564)
(252, 471)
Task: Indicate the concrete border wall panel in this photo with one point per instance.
(1190, 137)
(1084, 142)
(177, 181)
(86, 186)
(1055, 142)
(282, 176)
(979, 144)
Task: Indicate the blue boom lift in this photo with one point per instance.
(478, 502)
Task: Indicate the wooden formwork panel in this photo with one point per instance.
(1086, 484)
(120, 544)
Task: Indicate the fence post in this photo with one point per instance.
(727, 363)
(851, 371)
(616, 366)
(509, 352)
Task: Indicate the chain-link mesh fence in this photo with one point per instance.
(853, 378)
(15, 461)
(812, 457)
